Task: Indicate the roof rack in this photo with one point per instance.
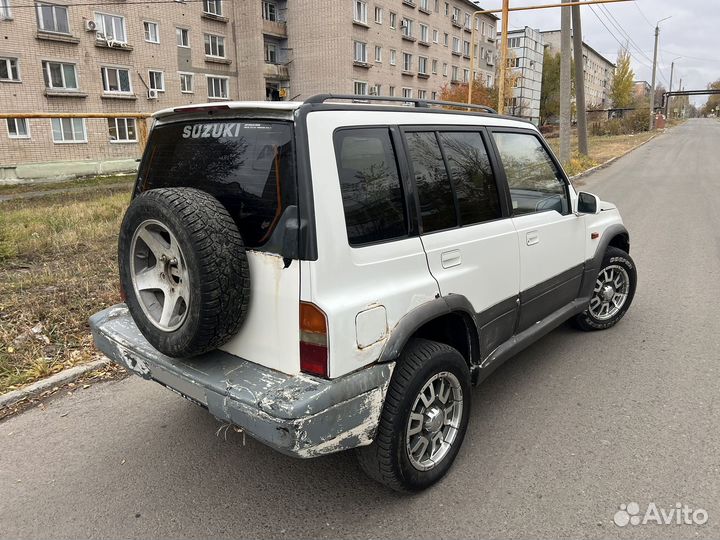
(322, 98)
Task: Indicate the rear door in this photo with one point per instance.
(550, 237)
(468, 236)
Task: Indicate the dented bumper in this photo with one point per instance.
(298, 415)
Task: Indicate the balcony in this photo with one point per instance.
(276, 72)
(274, 28)
(421, 75)
(407, 37)
(455, 22)
(409, 3)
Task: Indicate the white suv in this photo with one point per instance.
(330, 275)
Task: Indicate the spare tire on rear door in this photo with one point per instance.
(184, 270)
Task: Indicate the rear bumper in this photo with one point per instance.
(298, 415)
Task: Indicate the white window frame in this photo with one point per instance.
(217, 7)
(436, 35)
(458, 49)
(378, 54)
(55, 7)
(271, 46)
(46, 66)
(424, 33)
(445, 69)
(407, 62)
(192, 82)
(355, 87)
(269, 14)
(408, 91)
(106, 80)
(101, 27)
(178, 33)
(378, 15)
(72, 121)
(162, 79)
(147, 25)
(434, 65)
(126, 122)
(422, 69)
(360, 51)
(393, 57)
(360, 11)
(25, 121)
(227, 86)
(5, 11)
(391, 91)
(208, 38)
(425, 4)
(392, 19)
(9, 61)
(422, 94)
(406, 25)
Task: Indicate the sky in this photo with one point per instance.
(692, 33)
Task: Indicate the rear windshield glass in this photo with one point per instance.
(248, 166)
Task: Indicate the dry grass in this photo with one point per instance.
(601, 149)
(90, 181)
(57, 267)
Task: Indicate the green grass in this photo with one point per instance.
(58, 265)
(87, 182)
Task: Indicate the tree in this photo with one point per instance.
(659, 91)
(550, 89)
(621, 89)
(481, 93)
(713, 101)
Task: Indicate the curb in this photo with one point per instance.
(64, 377)
(611, 160)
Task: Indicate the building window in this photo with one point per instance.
(407, 62)
(59, 75)
(378, 53)
(18, 128)
(186, 83)
(447, 9)
(455, 73)
(214, 45)
(378, 15)
(217, 87)
(391, 91)
(422, 65)
(425, 4)
(513, 62)
(68, 130)
(270, 11)
(271, 53)
(360, 14)
(183, 37)
(156, 80)
(213, 7)
(456, 15)
(489, 80)
(434, 67)
(393, 20)
(456, 45)
(446, 37)
(468, 23)
(122, 130)
(433, 95)
(445, 66)
(112, 27)
(424, 33)
(393, 57)
(52, 18)
(407, 92)
(360, 88)
(407, 27)
(152, 33)
(466, 75)
(360, 52)
(436, 36)
(5, 12)
(116, 80)
(514, 42)
(9, 69)
(466, 48)
(375, 90)
(422, 94)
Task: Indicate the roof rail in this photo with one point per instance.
(322, 98)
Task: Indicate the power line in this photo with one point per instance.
(643, 14)
(623, 45)
(622, 30)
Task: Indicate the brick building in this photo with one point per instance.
(140, 57)
(526, 50)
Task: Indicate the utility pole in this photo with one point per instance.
(503, 55)
(565, 125)
(654, 73)
(579, 81)
(667, 101)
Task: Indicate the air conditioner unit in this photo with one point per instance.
(90, 25)
(403, 24)
(152, 93)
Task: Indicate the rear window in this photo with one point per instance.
(248, 166)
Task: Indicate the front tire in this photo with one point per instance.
(613, 292)
(424, 419)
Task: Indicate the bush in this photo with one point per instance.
(634, 122)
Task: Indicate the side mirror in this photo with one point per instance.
(588, 203)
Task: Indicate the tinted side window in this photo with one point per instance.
(372, 196)
(472, 176)
(531, 174)
(437, 203)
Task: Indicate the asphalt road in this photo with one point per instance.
(559, 437)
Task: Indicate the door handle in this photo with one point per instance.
(532, 238)
(448, 259)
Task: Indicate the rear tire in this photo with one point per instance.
(426, 370)
(184, 270)
(613, 292)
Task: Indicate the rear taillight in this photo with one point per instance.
(313, 340)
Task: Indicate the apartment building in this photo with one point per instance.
(525, 58)
(113, 56)
(641, 90)
(598, 71)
